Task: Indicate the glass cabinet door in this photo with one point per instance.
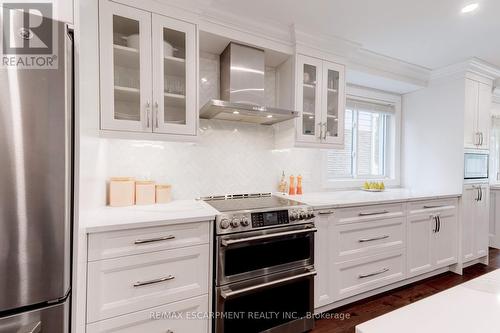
(174, 76)
(309, 98)
(125, 46)
(333, 103)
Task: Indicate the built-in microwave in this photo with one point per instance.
(476, 164)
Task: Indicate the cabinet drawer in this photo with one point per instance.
(368, 238)
(358, 276)
(174, 317)
(121, 243)
(419, 207)
(368, 213)
(124, 285)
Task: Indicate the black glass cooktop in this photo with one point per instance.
(236, 203)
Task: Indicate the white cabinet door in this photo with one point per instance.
(445, 241)
(309, 88)
(469, 198)
(333, 101)
(323, 260)
(125, 60)
(419, 238)
(481, 222)
(483, 114)
(174, 76)
(471, 138)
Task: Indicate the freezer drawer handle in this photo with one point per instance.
(374, 213)
(231, 293)
(363, 240)
(227, 242)
(382, 271)
(145, 283)
(152, 240)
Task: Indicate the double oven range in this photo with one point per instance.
(264, 264)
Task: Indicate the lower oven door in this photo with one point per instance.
(276, 303)
(251, 254)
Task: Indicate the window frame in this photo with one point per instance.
(393, 159)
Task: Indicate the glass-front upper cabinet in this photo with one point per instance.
(174, 76)
(126, 84)
(309, 98)
(148, 72)
(334, 103)
(321, 99)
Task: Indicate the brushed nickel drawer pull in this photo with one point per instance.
(145, 283)
(436, 206)
(326, 212)
(374, 213)
(382, 271)
(152, 240)
(363, 240)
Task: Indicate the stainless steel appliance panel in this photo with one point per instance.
(35, 178)
(52, 319)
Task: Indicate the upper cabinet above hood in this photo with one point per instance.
(242, 92)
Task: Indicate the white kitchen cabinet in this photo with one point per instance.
(494, 217)
(148, 72)
(320, 99)
(478, 98)
(323, 254)
(475, 221)
(432, 235)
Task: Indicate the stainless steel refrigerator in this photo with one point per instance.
(36, 145)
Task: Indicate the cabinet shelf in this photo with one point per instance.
(127, 94)
(126, 56)
(174, 100)
(174, 66)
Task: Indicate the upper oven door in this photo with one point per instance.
(252, 254)
(476, 165)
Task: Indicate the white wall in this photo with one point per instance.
(433, 135)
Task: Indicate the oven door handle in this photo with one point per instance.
(226, 294)
(228, 242)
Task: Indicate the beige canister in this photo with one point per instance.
(163, 193)
(144, 192)
(121, 191)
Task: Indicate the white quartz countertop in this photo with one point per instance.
(118, 218)
(338, 199)
(470, 307)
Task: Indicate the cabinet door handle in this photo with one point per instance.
(382, 271)
(374, 213)
(152, 240)
(145, 283)
(325, 131)
(434, 217)
(320, 130)
(480, 193)
(148, 105)
(364, 240)
(439, 223)
(481, 137)
(156, 114)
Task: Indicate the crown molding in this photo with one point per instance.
(473, 66)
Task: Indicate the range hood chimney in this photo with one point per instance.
(242, 92)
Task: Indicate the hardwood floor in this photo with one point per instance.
(375, 306)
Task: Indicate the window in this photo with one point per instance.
(369, 144)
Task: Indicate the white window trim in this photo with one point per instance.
(377, 96)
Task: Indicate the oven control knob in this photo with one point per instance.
(224, 224)
(235, 222)
(294, 216)
(244, 221)
(310, 215)
(303, 215)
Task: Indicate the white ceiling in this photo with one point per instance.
(428, 33)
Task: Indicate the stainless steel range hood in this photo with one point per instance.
(242, 95)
